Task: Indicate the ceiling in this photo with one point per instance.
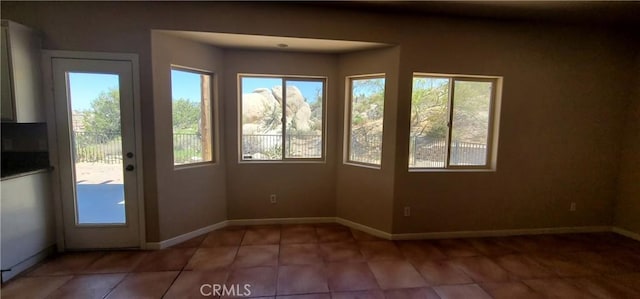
(618, 14)
(587, 12)
(246, 41)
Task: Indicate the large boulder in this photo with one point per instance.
(256, 106)
(298, 110)
(263, 103)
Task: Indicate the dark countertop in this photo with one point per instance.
(21, 174)
(17, 163)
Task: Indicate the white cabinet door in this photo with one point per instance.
(23, 99)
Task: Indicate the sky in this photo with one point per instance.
(85, 87)
(309, 89)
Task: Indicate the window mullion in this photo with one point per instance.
(284, 118)
(449, 122)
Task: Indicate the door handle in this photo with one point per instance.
(129, 167)
(129, 155)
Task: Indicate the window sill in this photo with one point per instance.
(193, 165)
(282, 162)
(419, 170)
(364, 165)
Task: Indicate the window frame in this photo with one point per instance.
(213, 109)
(348, 119)
(285, 78)
(492, 126)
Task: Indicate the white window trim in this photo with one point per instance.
(214, 111)
(493, 126)
(347, 121)
(323, 155)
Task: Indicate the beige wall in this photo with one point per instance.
(365, 195)
(627, 213)
(302, 189)
(189, 197)
(561, 118)
(563, 112)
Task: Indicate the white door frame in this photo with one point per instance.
(47, 71)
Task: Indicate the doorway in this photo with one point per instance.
(97, 149)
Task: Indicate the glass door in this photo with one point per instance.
(96, 148)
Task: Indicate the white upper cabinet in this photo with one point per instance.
(21, 74)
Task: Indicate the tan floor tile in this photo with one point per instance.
(191, 243)
(562, 266)
(396, 274)
(350, 277)
(171, 259)
(603, 287)
(306, 296)
(261, 236)
(66, 263)
(302, 279)
(188, 283)
(380, 250)
(489, 247)
(523, 266)
(143, 285)
(420, 251)
(256, 255)
(557, 288)
(298, 234)
(630, 280)
(362, 236)
(300, 254)
(33, 287)
(341, 252)
(456, 247)
(601, 262)
(116, 262)
(88, 286)
(462, 291)
(442, 273)
(510, 290)
(215, 258)
(223, 238)
(370, 294)
(261, 280)
(481, 269)
(418, 293)
(328, 234)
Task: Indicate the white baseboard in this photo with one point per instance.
(267, 221)
(390, 236)
(28, 263)
(500, 233)
(184, 237)
(367, 229)
(626, 233)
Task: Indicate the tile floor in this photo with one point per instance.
(333, 261)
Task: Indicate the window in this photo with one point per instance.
(366, 115)
(191, 116)
(451, 121)
(282, 118)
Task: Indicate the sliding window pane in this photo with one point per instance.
(261, 118)
(429, 117)
(470, 128)
(303, 120)
(366, 119)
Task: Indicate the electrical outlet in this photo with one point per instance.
(273, 199)
(572, 207)
(407, 211)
